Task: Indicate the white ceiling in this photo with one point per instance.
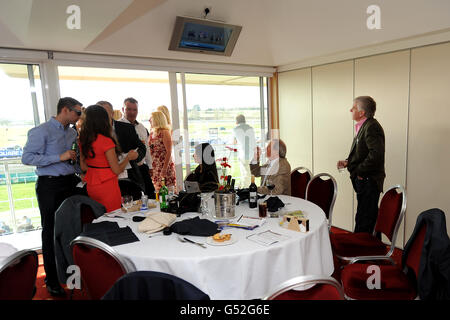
(274, 33)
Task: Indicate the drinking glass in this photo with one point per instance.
(127, 202)
(270, 185)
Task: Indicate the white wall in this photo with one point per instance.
(413, 106)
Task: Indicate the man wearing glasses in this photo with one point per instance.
(49, 149)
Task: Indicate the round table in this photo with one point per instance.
(245, 269)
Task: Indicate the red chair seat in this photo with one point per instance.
(356, 244)
(318, 292)
(395, 285)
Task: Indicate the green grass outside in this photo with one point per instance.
(20, 191)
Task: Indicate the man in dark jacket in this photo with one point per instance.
(366, 163)
(128, 140)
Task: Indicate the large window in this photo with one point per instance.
(211, 105)
(89, 85)
(21, 109)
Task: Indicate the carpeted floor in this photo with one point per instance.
(42, 293)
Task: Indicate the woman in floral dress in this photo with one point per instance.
(160, 142)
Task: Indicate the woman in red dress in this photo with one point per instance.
(99, 158)
(160, 142)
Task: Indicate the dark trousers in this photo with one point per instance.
(50, 193)
(149, 187)
(367, 194)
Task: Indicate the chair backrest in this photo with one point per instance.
(391, 212)
(18, 275)
(323, 193)
(320, 288)
(299, 181)
(129, 187)
(100, 265)
(152, 285)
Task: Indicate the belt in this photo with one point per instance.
(57, 177)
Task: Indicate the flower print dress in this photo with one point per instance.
(159, 154)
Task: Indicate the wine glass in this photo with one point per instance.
(270, 185)
(127, 202)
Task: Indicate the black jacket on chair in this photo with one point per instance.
(434, 270)
(129, 140)
(152, 285)
(68, 227)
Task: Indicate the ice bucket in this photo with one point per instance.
(225, 204)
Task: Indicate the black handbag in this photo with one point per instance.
(184, 202)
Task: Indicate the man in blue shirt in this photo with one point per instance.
(49, 149)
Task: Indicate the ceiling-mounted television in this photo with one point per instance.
(204, 36)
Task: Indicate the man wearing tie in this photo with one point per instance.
(49, 149)
(366, 163)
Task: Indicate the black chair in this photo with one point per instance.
(152, 285)
(129, 187)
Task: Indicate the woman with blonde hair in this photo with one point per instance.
(166, 113)
(160, 143)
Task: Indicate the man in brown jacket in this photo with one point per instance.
(277, 170)
(366, 163)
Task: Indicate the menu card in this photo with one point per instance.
(267, 238)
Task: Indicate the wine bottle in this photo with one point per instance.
(232, 184)
(73, 148)
(228, 186)
(163, 192)
(253, 196)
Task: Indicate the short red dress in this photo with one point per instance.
(101, 182)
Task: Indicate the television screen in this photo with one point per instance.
(204, 36)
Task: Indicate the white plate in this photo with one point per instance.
(232, 240)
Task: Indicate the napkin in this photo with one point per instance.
(156, 221)
(109, 233)
(274, 204)
(195, 227)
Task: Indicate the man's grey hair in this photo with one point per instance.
(366, 104)
(280, 146)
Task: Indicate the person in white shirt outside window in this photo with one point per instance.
(244, 137)
(130, 112)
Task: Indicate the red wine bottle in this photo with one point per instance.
(253, 196)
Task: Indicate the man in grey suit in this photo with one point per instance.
(366, 163)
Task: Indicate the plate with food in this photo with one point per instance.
(222, 239)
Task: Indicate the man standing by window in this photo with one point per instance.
(130, 112)
(366, 163)
(244, 136)
(49, 149)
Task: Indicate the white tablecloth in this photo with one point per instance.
(6, 250)
(245, 269)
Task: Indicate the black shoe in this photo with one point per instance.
(56, 291)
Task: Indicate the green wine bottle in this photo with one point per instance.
(163, 192)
